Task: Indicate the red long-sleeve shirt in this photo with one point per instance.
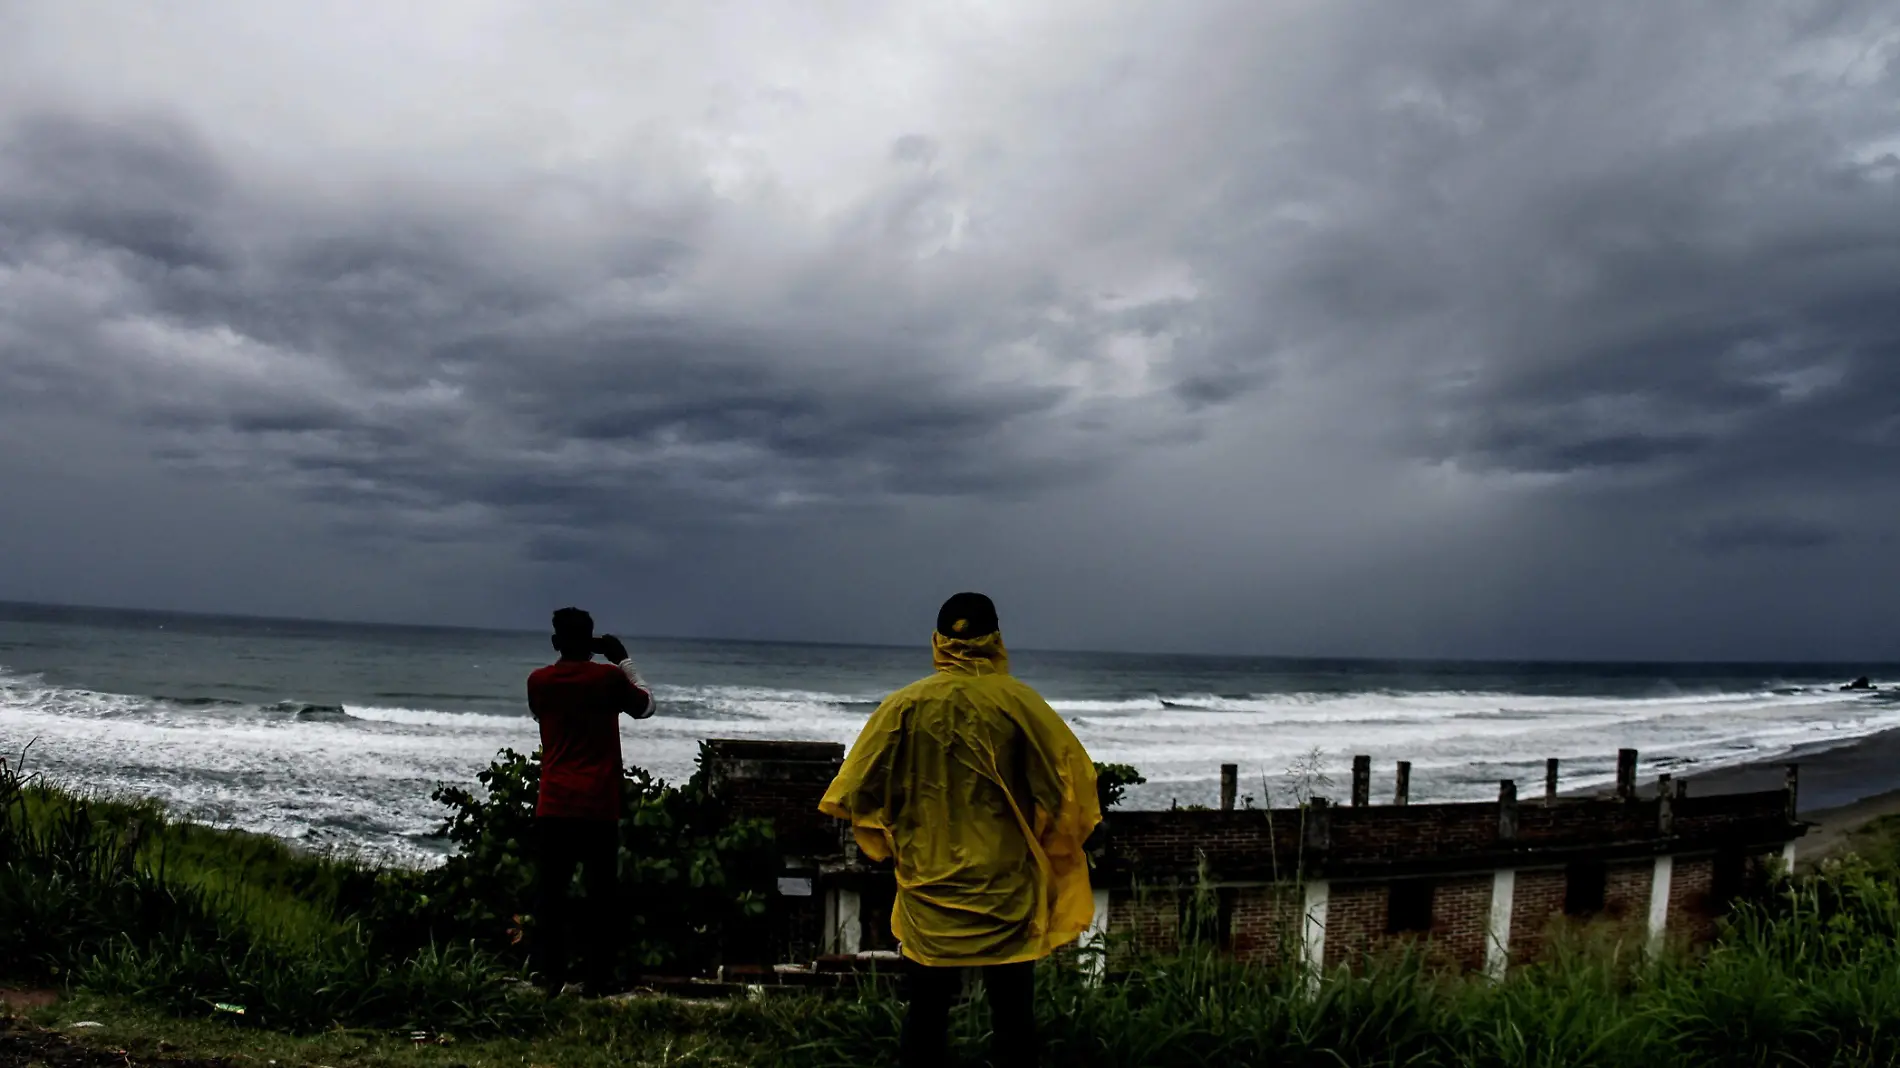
(578, 704)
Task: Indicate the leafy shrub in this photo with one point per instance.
(693, 881)
(1112, 782)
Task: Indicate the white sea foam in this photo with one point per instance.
(363, 777)
(430, 717)
(1460, 743)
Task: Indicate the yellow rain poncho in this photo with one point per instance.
(984, 797)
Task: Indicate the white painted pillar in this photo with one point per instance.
(1659, 882)
(1497, 930)
(850, 923)
(1787, 857)
(828, 936)
(1313, 929)
(1095, 939)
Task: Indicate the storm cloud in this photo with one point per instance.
(1304, 328)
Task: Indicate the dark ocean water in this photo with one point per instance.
(334, 734)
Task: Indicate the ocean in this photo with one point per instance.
(334, 734)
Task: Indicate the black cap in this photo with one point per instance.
(966, 615)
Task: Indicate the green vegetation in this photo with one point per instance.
(700, 878)
(117, 898)
(1112, 782)
(151, 925)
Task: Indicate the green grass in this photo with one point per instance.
(150, 924)
(1877, 842)
(273, 887)
(1743, 1005)
(115, 898)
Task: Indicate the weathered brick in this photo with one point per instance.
(1153, 861)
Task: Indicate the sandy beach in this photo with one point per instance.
(1842, 788)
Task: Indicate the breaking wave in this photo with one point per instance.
(359, 773)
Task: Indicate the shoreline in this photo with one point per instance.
(1843, 787)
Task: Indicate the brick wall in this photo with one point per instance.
(1262, 923)
(1265, 922)
(781, 782)
(1359, 850)
(1626, 890)
(1581, 822)
(1691, 913)
(1537, 904)
(1355, 921)
(798, 932)
(1176, 844)
(1461, 910)
(1146, 921)
(1357, 915)
(1265, 919)
(1387, 832)
(1376, 840)
(1722, 813)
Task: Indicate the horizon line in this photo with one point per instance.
(833, 644)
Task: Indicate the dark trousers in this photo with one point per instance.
(562, 844)
(1012, 995)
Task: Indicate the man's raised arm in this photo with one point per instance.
(638, 702)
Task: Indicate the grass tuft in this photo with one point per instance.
(154, 924)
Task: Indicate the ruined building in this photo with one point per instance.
(1483, 882)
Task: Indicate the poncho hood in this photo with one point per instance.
(970, 656)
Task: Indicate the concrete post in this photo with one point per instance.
(850, 923)
(1361, 781)
(1229, 786)
(1402, 791)
(1626, 774)
(1497, 930)
(1095, 940)
(1507, 809)
(1659, 903)
(1794, 789)
(1318, 893)
(844, 925)
(1665, 800)
(1550, 780)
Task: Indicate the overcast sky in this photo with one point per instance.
(1522, 329)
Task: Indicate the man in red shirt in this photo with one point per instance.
(577, 814)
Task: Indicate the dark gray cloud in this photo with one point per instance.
(1366, 317)
(1765, 533)
(406, 363)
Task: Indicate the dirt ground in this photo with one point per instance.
(24, 1046)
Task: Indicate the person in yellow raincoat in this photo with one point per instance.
(982, 797)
